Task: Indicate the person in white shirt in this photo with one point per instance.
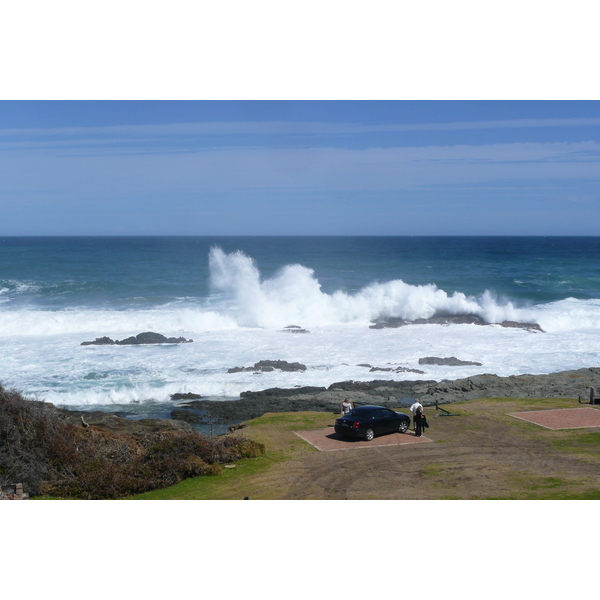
(413, 410)
(346, 406)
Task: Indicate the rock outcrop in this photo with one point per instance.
(396, 370)
(185, 396)
(527, 326)
(147, 337)
(294, 329)
(320, 399)
(394, 322)
(452, 361)
(267, 366)
(566, 384)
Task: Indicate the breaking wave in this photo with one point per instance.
(295, 295)
(242, 298)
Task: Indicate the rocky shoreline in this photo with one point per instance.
(565, 384)
(393, 394)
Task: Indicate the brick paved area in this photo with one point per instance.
(327, 439)
(562, 418)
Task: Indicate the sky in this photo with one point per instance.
(299, 167)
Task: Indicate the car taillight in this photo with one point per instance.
(355, 425)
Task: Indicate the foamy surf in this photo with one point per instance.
(242, 320)
(295, 295)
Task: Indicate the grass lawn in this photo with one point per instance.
(483, 453)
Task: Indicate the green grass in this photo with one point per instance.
(234, 483)
(434, 470)
(294, 421)
(246, 478)
(592, 494)
(579, 443)
(548, 488)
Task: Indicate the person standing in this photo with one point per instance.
(413, 410)
(346, 406)
(419, 421)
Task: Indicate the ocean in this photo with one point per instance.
(235, 297)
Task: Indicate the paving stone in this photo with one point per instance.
(562, 418)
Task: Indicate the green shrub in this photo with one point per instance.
(55, 458)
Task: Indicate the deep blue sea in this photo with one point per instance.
(236, 295)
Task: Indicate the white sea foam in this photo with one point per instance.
(41, 351)
(168, 319)
(295, 295)
(61, 371)
(569, 315)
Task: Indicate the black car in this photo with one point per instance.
(369, 421)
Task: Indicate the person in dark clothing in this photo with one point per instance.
(413, 410)
(419, 421)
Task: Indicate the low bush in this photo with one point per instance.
(55, 458)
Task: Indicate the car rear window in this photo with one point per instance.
(359, 413)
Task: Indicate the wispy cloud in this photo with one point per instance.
(231, 170)
(272, 128)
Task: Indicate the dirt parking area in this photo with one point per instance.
(484, 452)
(328, 440)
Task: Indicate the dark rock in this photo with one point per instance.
(439, 319)
(442, 319)
(396, 370)
(452, 361)
(294, 329)
(451, 320)
(101, 341)
(566, 384)
(147, 337)
(282, 365)
(267, 366)
(392, 322)
(527, 326)
(185, 396)
(282, 392)
(377, 387)
(255, 404)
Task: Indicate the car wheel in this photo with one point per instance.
(402, 428)
(370, 434)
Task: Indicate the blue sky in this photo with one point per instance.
(299, 167)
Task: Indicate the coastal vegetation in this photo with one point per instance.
(481, 453)
(54, 457)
